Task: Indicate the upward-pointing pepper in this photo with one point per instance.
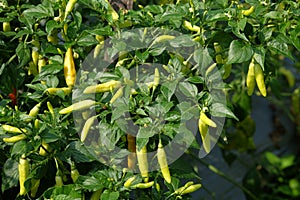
(69, 7)
(74, 173)
(156, 78)
(35, 110)
(85, 130)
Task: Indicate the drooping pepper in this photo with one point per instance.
(163, 163)
(143, 162)
(23, 168)
(131, 160)
(69, 68)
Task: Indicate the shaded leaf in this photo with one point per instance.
(259, 56)
(40, 11)
(239, 52)
(23, 53)
(221, 110)
(203, 59)
(10, 176)
(109, 195)
(280, 47)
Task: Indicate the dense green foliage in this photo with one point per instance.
(163, 102)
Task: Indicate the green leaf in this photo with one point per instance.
(109, 133)
(167, 16)
(168, 89)
(259, 56)
(185, 136)
(39, 170)
(196, 79)
(188, 89)
(75, 25)
(117, 47)
(284, 189)
(50, 25)
(65, 192)
(295, 187)
(23, 53)
(109, 195)
(272, 158)
(287, 161)
(265, 34)
(86, 40)
(164, 107)
(142, 121)
(154, 111)
(273, 15)
(20, 146)
(242, 24)
(120, 108)
(39, 12)
(141, 142)
(203, 59)
(94, 4)
(140, 111)
(107, 30)
(239, 52)
(35, 96)
(280, 47)
(155, 9)
(52, 80)
(78, 152)
(214, 15)
(21, 33)
(238, 28)
(49, 69)
(10, 175)
(50, 136)
(156, 51)
(172, 116)
(221, 110)
(146, 132)
(142, 56)
(240, 35)
(94, 182)
(169, 129)
(187, 111)
(28, 21)
(37, 87)
(295, 37)
(131, 39)
(182, 41)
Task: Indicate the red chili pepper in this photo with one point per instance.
(13, 97)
